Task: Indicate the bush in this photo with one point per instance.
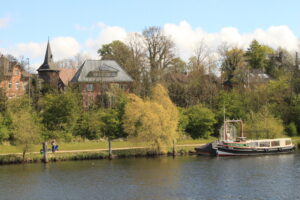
(291, 129)
(200, 121)
(263, 125)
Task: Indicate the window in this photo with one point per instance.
(275, 143)
(89, 87)
(102, 73)
(17, 72)
(253, 144)
(288, 142)
(24, 86)
(264, 144)
(17, 85)
(9, 84)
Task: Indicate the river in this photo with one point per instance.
(189, 178)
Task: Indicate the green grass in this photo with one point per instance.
(9, 149)
(34, 158)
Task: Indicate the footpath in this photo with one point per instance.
(96, 150)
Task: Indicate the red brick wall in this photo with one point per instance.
(90, 97)
(14, 79)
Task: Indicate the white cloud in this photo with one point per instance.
(62, 47)
(186, 38)
(106, 35)
(4, 22)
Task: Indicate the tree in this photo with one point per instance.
(160, 52)
(59, 113)
(291, 129)
(263, 125)
(3, 101)
(257, 55)
(232, 60)
(88, 125)
(153, 121)
(112, 126)
(117, 51)
(4, 128)
(25, 126)
(201, 121)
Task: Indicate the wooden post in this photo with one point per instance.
(174, 148)
(109, 149)
(45, 152)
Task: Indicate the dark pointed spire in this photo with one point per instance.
(48, 61)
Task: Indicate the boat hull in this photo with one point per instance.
(209, 149)
(223, 151)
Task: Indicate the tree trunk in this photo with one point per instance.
(109, 149)
(45, 152)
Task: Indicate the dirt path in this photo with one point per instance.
(102, 149)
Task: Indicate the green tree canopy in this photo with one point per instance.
(59, 113)
(201, 121)
(257, 55)
(263, 125)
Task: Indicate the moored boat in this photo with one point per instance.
(255, 147)
(230, 145)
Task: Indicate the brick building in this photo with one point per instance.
(13, 78)
(95, 77)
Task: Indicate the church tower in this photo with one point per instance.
(48, 72)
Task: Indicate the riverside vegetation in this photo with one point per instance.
(171, 99)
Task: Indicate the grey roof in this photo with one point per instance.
(48, 64)
(83, 73)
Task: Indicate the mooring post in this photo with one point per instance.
(45, 152)
(109, 149)
(174, 148)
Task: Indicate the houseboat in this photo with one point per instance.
(230, 145)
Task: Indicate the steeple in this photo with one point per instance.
(48, 64)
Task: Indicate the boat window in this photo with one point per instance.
(275, 143)
(264, 144)
(288, 142)
(253, 144)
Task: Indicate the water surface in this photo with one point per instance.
(191, 177)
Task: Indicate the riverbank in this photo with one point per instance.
(79, 155)
(90, 151)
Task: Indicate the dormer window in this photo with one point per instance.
(102, 73)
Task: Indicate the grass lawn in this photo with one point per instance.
(6, 149)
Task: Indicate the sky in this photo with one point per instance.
(75, 26)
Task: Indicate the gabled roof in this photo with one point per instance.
(83, 73)
(6, 67)
(66, 74)
(48, 64)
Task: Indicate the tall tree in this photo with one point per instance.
(160, 52)
(59, 113)
(232, 60)
(152, 121)
(257, 55)
(26, 129)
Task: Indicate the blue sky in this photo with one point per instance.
(24, 22)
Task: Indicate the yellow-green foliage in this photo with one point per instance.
(263, 125)
(25, 127)
(153, 121)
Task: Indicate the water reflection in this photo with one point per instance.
(264, 177)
